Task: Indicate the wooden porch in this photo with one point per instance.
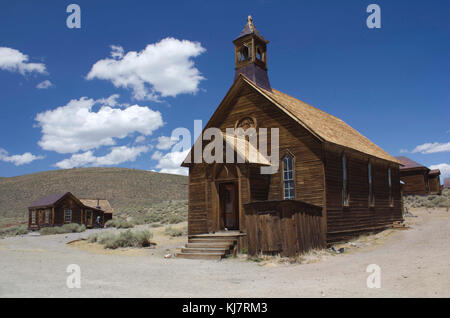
(285, 227)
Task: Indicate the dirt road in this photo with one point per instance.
(414, 263)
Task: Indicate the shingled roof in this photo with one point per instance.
(47, 200)
(249, 28)
(327, 127)
(100, 204)
(409, 164)
(434, 172)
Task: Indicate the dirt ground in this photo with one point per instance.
(413, 262)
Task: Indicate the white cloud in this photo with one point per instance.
(116, 51)
(18, 160)
(404, 151)
(444, 167)
(161, 69)
(77, 126)
(170, 162)
(15, 61)
(139, 139)
(44, 85)
(165, 143)
(434, 147)
(117, 156)
(157, 155)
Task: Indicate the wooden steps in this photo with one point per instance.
(209, 246)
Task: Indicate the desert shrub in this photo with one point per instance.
(73, 228)
(14, 230)
(173, 232)
(430, 201)
(66, 228)
(128, 238)
(174, 219)
(119, 224)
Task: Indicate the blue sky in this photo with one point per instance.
(391, 84)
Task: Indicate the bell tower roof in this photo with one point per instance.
(249, 28)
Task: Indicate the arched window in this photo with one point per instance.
(369, 173)
(391, 201)
(288, 178)
(345, 195)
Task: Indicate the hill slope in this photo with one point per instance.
(124, 188)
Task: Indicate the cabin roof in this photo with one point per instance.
(435, 172)
(48, 200)
(99, 204)
(409, 164)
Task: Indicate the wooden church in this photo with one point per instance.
(332, 182)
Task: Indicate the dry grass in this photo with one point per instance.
(310, 257)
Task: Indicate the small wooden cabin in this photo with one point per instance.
(434, 181)
(418, 179)
(64, 208)
(332, 182)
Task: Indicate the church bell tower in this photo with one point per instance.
(251, 55)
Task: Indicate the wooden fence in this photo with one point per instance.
(285, 227)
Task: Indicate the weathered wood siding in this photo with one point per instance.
(293, 139)
(346, 221)
(415, 182)
(285, 227)
(197, 210)
(68, 203)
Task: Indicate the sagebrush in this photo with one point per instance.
(428, 201)
(128, 238)
(14, 230)
(66, 228)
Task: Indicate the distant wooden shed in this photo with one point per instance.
(418, 179)
(434, 181)
(64, 208)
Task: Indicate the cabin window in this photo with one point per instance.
(345, 195)
(33, 216)
(369, 173)
(47, 216)
(67, 215)
(391, 201)
(288, 178)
